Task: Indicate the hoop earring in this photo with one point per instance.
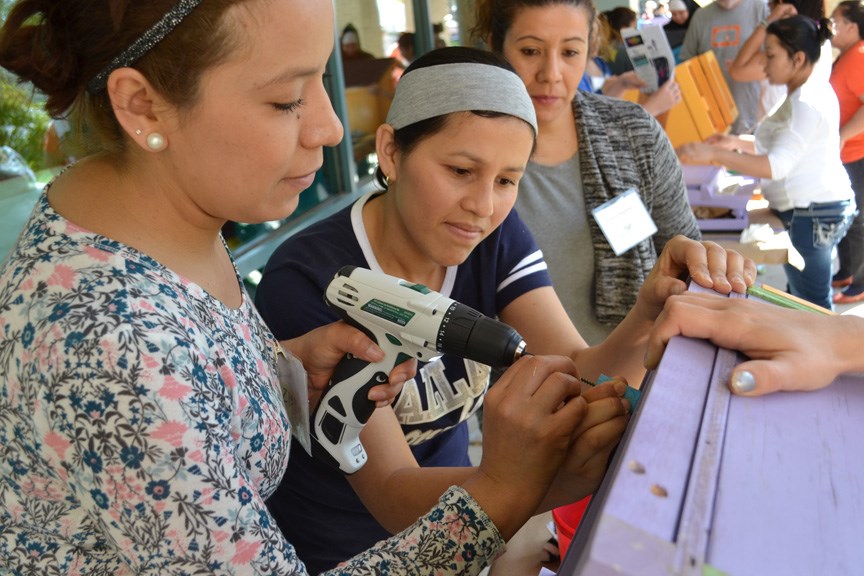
(155, 141)
(387, 181)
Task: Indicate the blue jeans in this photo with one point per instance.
(851, 248)
(814, 232)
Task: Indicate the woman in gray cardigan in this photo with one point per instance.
(590, 150)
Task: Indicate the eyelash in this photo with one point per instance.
(467, 172)
(290, 106)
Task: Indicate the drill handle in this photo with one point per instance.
(343, 410)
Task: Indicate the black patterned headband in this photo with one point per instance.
(144, 43)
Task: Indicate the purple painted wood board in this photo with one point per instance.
(791, 498)
(754, 486)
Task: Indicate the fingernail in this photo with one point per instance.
(743, 382)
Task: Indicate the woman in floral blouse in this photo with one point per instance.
(142, 424)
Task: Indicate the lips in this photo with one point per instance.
(546, 99)
(303, 181)
(465, 231)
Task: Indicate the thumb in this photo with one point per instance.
(756, 378)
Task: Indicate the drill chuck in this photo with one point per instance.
(467, 333)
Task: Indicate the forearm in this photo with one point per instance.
(621, 353)
(507, 505)
(748, 65)
(411, 492)
(756, 165)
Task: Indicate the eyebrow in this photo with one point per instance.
(289, 76)
(538, 39)
(477, 160)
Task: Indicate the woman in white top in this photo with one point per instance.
(796, 152)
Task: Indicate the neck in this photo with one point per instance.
(844, 49)
(134, 210)
(800, 78)
(393, 247)
(557, 141)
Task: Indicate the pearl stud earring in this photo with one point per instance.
(155, 141)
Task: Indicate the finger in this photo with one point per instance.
(556, 389)
(741, 271)
(750, 272)
(760, 377)
(692, 315)
(403, 371)
(599, 440)
(529, 373)
(717, 259)
(613, 388)
(599, 412)
(384, 394)
(359, 344)
(686, 255)
(735, 272)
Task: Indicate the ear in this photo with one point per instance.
(388, 154)
(799, 59)
(139, 109)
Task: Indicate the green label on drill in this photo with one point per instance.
(416, 287)
(388, 312)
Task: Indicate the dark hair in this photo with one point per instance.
(59, 46)
(620, 18)
(405, 41)
(495, 17)
(814, 9)
(801, 34)
(408, 137)
(853, 11)
(349, 28)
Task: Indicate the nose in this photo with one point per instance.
(322, 127)
(481, 199)
(550, 71)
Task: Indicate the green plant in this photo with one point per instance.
(23, 123)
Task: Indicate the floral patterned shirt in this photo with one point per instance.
(142, 426)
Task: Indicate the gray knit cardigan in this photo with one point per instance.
(621, 147)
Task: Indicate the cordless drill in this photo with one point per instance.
(406, 320)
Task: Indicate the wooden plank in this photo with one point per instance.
(650, 470)
(698, 510)
(791, 483)
(768, 485)
(714, 106)
(693, 98)
(711, 68)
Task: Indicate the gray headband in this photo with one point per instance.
(144, 43)
(446, 88)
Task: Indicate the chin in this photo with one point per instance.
(283, 210)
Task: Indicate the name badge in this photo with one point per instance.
(624, 221)
(295, 394)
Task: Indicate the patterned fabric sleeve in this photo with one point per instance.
(455, 538)
(144, 431)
